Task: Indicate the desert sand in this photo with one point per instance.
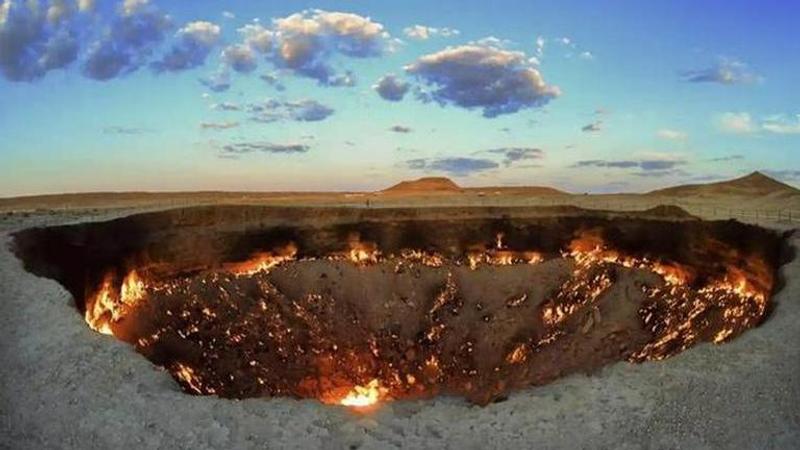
(65, 386)
(754, 198)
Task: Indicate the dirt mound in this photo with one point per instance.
(424, 185)
(664, 211)
(755, 184)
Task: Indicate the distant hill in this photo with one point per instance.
(443, 185)
(753, 185)
(425, 185)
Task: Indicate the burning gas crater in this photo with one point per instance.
(359, 326)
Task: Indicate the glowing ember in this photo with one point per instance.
(422, 322)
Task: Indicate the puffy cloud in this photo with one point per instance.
(483, 76)
(400, 129)
(240, 58)
(264, 147)
(672, 135)
(219, 81)
(725, 71)
(391, 88)
(195, 42)
(304, 42)
(737, 123)
(131, 39)
(35, 38)
(515, 154)
(300, 111)
(228, 15)
(458, 166)
(593, 127)
(258, 37)
(421, 32)
(218, 126)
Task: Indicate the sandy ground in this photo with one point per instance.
(63, 386)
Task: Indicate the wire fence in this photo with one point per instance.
(748, 213)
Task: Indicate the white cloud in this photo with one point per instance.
(258, 37)
(737, 123)
(194, 43)
(422, 32)
(782, 125)
(725, 71)
(391, 88)
(306, 41)
(58, 10)
(36, 39)
(487, 77)
(130, 41)
(672, 135)
(205, 33)
(86, 5)
(240, 58)
(540, 43)
(744, 123)
(133, 7)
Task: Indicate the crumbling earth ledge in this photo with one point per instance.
(64, 386)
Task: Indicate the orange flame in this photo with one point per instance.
(108, 306)
(361, 252)
(263, 261)
(364, 396)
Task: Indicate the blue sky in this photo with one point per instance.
(350, 95)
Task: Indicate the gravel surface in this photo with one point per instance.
(64, 386)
